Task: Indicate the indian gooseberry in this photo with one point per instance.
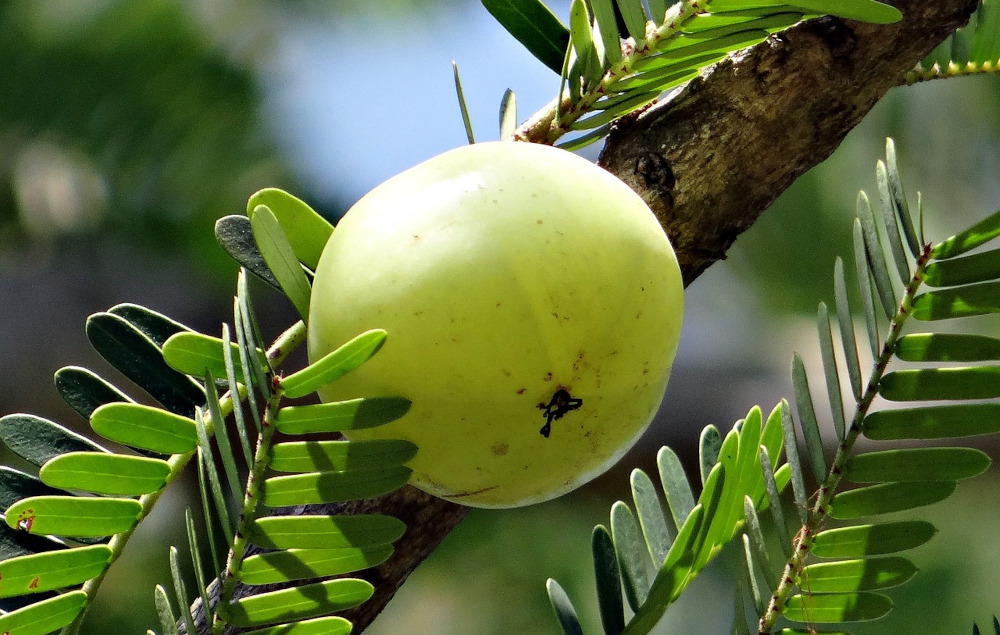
(533, 305)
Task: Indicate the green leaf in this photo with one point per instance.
(145, 427)
(875, 255)
(37, 440)
(774, 502)
(74, 516)
(53, 570)
(608, 580)
(15, 485)
(712, 499)
(986, 43)
(866, 574)
(898, 197)
(756, 589)
(652, 520)
(890, 224)
(194, 353)
(794, 465)
(319, 626)
(583, 42)
(563, 607)
(156, 326)
(872, 540)
(755, 540)
(333, 487)
(680, 500)
(709, 446)
(933, 422)
(44, 617)
(830, 369)
(236, 487)
(237, 404)
(195, 551)
(303, 564)
(631, 554)
(861, 10)
(533, 25)
(807, 419)
(979, 267)
(947, 347)
(979, 234)
(206, 460)
(139, 358)
(168, 622)
(508, 115)
(325, 532)
(916, 464)
(607, 24)
(208, 516)
(334, 365)
(924, 384)
(635, 19)
(180, 591)
(103, 473)
(84, 390)
(299, 603)
(341, 415)
(850, 344)
(307, 231)
(886, 498)
(280, 258)
(329, 456)
(235, 235)
(462, 105)
(837, 607)
(611, 114)
(865, 283)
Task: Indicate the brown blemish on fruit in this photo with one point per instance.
(539, 221)
(499, 449)
(473, 492)
(548, 377)
(522, 391)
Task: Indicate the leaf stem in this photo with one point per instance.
(288, 341)
(803, 540)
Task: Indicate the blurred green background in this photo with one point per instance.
(128, 127)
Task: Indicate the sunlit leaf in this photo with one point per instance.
(582, 37)
(979, 267)
(916, 464)
(52, 570)
(320, 626)
(306, 230)
(333, 487)
(866, 574)
(145, 427)
(979, 234)
(74, 516)
(45, 616)
(886, 498)
(329, 456)
(634, 15)
(303, 564)
(871, 540)
(933, 422)
(922, 384)
(37, 440)
(508, 115)
(325, 532)
(535, 26)
(947, 347)
(334, 365)
(299, 603)
(837, 607)
(341, 415)
(607, 24)
(953, 302)
(194, 353)
(280, 258)
(103, 473)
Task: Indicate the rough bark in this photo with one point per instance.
(709, 161)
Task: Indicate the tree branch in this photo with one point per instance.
(708, 162)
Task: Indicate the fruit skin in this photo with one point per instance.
(503, 273)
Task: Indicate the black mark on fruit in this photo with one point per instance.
(561, 403)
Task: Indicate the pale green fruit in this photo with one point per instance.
(504, 273)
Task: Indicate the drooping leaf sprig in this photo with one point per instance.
(971, 50)
(838, 560)
(66, 525)
(836, 574)
(616, 57)
(282, 473)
